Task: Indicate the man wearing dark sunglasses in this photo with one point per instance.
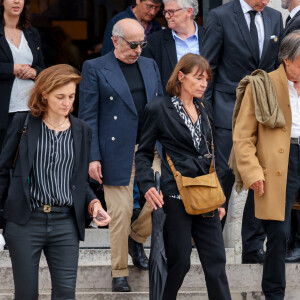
(113, 93)
(182, 36)
(144, 11)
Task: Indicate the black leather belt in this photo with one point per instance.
(55, 209)
(295, 141)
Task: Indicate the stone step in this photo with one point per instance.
(82, 294)
(102, 257)
(99, 238)
(244, 278)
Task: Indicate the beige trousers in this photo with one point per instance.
(119, 202)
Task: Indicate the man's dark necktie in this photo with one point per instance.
(253, 33)
(287, 20)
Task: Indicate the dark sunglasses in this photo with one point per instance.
(134, 45)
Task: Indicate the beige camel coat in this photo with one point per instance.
(262, 153)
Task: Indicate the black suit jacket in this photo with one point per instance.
(293, 24)
(15, 197)
(161, 47)
(228, 47)
(7, 76)
(163, 123)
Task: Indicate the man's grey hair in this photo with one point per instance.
(185, 4)
(290, 46)
(118, 30)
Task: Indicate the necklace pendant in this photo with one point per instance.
(208, 155)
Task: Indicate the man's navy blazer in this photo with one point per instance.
(106, 104)
(7, 76)
(161, 47)
(15, 197)
(228, 47)
(293, 24)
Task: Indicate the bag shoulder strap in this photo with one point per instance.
(24, 129)
(212, 145)
(171, 165)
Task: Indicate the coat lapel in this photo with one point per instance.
(117, 81)
(292, 20)
(241, 22)
(148, 79)
(4, 44)
(29, 38)
(282, 89)
(267, 29)
(170, 47)
(77, 137)
(34, 129)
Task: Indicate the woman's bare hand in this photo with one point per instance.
(153, 198)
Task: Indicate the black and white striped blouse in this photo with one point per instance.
(52, 169)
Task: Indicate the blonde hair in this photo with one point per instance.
(47, 81)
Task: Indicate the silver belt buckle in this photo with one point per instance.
(47, 209)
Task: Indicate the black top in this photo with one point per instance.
(52, 169)
(136, 86)
(200, 132)
(163, 123)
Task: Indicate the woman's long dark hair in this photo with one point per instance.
(24, 20)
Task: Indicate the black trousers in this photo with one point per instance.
(253, 234)
(273, 281)
(179, 228)
(57, 235)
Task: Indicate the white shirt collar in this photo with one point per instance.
(294, 11)
(246, 7)
(291, 83)
(174, 34)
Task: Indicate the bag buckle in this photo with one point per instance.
(47, 208)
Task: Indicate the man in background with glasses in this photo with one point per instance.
(182, 36)
(144, 12)
(113, 93)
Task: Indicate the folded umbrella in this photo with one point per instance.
(157, 260)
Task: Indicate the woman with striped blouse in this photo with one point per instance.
(46, 200)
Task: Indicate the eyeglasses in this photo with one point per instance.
(150, 7)
(170, 12)
(134, 45)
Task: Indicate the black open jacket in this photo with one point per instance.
(15, 195)
(163, 123)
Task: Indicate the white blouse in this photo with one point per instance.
(21, 87)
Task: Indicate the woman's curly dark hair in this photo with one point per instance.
(25, 17)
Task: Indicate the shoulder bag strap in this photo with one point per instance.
(171, 165)
(212, 145)
(24, 129)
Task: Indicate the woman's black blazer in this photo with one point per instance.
(161, 122)
(7, 76)
(15, 196)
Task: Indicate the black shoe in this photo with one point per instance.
(254, 257)
(120, 284)
(293, 256)
(138, 255)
